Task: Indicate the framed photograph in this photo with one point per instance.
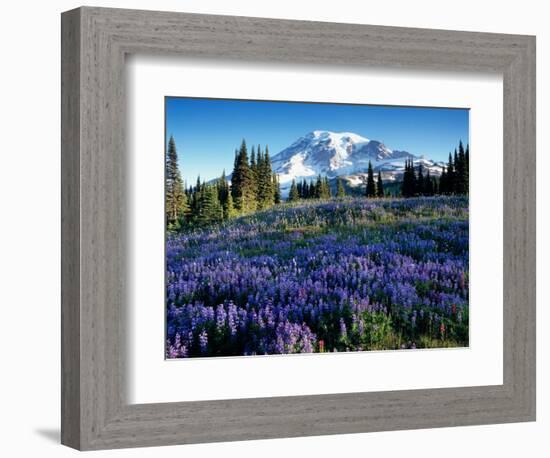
(337, 243)
(281, 228)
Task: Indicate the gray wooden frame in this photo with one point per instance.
(95, 413)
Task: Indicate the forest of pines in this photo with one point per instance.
(254, 187)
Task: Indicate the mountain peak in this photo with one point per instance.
(336, 136)
(334, 154)
(328, 153)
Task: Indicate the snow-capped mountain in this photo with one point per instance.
(343, 154)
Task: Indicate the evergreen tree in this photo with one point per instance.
(404, 190)
(242, 180)
(414, 185)
(340, 192)
(379, 185)
(293, 195)
(408, 187)
(428, 184)
(268, 171)
(228, 208)
(176, 199)
(223, 188)
(310, 194)
(460, 162)
(371, 186)
(254, 169)
(264, 181)
(326, 193)
(405, 180)
(259, 151)
(225, 198)
(211, 210)
(184, 212)
(258, 175)
(319, 187)
(253, 164)
(456, 184)
(195, 199)
(419, 181)
(276, 189)
(442, 188)
(451, 176)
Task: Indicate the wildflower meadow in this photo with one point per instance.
(327, 275)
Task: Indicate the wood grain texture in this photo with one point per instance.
(70, 229)
(95, 411)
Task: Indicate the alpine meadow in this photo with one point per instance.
(290, 231)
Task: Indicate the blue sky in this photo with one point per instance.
(207, 131)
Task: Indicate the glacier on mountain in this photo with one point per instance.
(343, 154)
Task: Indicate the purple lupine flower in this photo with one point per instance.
(203, 341)
(343, 330)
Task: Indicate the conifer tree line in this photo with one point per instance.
(313, 189)
(320, 188)
(374, 188)
(371, 186)
(454, 177)
(253, 187)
